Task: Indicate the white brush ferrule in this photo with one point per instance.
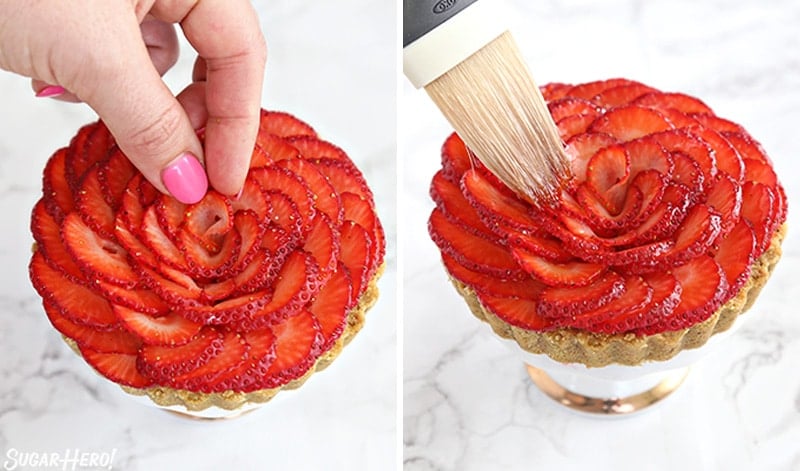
(452, 42)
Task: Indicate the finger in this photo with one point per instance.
(46, 90)
(227, 35)
(162, 43)
(148, 123)
(193, 101)
(199, 70)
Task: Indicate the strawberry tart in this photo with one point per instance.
(221, 303)
(666, 231)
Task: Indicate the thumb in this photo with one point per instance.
(151, 127)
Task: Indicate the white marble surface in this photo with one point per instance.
(332, 64)
(468, 404)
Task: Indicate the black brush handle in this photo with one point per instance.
(422, 16)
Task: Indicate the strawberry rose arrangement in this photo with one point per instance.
(219, 303)
(668, 228)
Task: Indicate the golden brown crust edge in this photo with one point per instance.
(231, 400)
(597, 350)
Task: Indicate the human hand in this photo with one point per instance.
(111, 55)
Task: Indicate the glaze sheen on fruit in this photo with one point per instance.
(667, 209)
(223, 295)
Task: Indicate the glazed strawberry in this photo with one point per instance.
(231, 295)
(666, 210)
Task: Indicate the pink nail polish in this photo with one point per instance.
(185, 179)
(239, 195)
(50, 91)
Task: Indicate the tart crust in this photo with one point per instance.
(596, 350)
(231, 400)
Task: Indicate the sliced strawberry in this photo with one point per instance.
(331, 305)
(75, 301)
(666, 296)
(711, 121)
(120, 368)
(630, 122)
(758, 208)
(725, 197)
(293, 288)
(571, 107)
(527, 288)
(622, 95)
(688, 172)
(354, 254)
(637, 295)
(58, 196)
(96, 255)
(312, 148)
(297, 343)
(590, 89)
(233, 353)
(518, 312)
(556, 302)
(249, 375)
(79, 158)
(358, 210)
(158, 242)
(474, 252)
(164, 363)
(735, 254)
(607, 175)
(554, 90)
(272, 149)
(572, 126)
(47, 234)
(703, 287)
(113, 175)
(681, 140)
(494, 206)
(93, 207)
(582, 147)
(344, 177)
(726, 157)
(252, 199)
(542, 245)
(323, 244)
(455, 158)
(574, 273)
(326, 199)
(170, 329)
(676, 101)
(291, 185)
(455, 207)
(283, 125)
(747, 147)
(759, 171)
(141, 300)
(105, 341)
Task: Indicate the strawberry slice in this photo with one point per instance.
(345, 177)
(725, 197)
(58, 197)
(359, 211)
(541, 245)
(630, 122)
(622, 95)
(554, 90)
(681, 140)
(104, 341)
(288, 184)
(249, 375)
(354, 254)
(75, 301)
(582, 147)
(233, 353)
(93, 207)
(323, 244)
(572, 126)
(703, 289)
(746, 146)
(607, 175)
(120, 368)
(637, 295)
(330, 306)
(47, 234)
(81, 154)
(312, 148)
(474, 252)
(518, 312)
(455, 207)
(666, 296)
(570, 106)
(759, 171)
(297, 343)
(575, 273)
(493, 206)
(527, 288)
(673, 101)
(735, 254)
(96, 255)
(113, 175)
(560, 301)
(326, 198)
(455, 159)
(282, 124)
(727, 158)
(713, 122)
(758, 208)
(589, 90)
(139, 299)
(272, 149)
(294, 287)
(170, 329)
(164, 363)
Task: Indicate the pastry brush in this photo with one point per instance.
(461, 52)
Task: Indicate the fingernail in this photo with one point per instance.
(50, 91)
(185, 179)
(238, 195)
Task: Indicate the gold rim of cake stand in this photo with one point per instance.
(606, 405)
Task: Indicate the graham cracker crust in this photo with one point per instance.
(231, 400)
(597, 350)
